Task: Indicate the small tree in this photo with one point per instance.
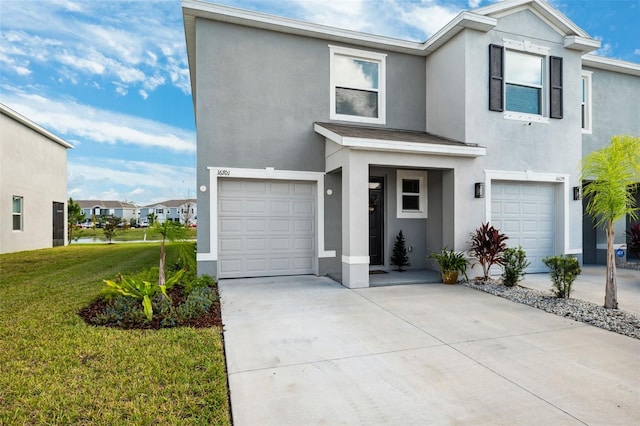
(399, 256)
(152, 218)
(74, 216)
(487, 246)
(172, 231)
(612, 173)
(111, 227)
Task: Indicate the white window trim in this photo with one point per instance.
(421, 176)
(379, 58)
(537, 50)
(588, 110)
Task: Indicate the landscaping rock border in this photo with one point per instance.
(616, 320)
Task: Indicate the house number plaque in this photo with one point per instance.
(224, 172)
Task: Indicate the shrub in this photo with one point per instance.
(488, 246)
(564, 270)
(450, 261)
(515, 262)
(201, 281)
(197, 304)
(633, 240)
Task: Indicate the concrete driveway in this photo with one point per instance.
(305, 350)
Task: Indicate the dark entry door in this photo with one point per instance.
(58, 224)
(376, 220)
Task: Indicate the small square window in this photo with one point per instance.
(412, 194)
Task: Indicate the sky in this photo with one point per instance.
(111, 76)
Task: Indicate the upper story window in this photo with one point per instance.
(17, 213)
(357, 82)
(523, 82)
(519, 85)
(585, 103)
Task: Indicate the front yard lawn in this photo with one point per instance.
(56, 369)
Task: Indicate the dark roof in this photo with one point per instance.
(379, 133)
(87, 204)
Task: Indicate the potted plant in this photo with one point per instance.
(452, 264)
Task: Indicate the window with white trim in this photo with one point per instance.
(585, 103)
(411, 190)
(525, 81)
(17, 213)
(357, 80)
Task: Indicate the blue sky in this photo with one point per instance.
(111, 76)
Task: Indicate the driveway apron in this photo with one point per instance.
(305, 350)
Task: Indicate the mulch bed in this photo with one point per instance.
(213, 318)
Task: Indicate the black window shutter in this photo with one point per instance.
(555, 74)
(496, 78)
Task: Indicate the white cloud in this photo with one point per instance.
(141, 182)
(143, 94)
(474, 4)
(72, 120)
(133, 43)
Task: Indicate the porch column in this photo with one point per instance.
(355, 221)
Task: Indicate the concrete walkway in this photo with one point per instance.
(307, 351)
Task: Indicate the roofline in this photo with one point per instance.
(370, 144)
(33, 126)
(610, 64)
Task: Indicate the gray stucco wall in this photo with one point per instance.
(457, 107)
(259, 93)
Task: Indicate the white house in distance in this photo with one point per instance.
(98, 208)
(33, 189)
(184, 211)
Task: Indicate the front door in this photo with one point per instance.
(58, 224)
(376, 220)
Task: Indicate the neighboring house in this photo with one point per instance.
(184, 211)
(94, 209)
(317, 145)
(33, 185)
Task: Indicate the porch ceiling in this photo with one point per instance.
(395, 140)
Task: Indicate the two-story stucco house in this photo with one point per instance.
(317, 145)
(184, 211)
(94, 209)
(33, 185)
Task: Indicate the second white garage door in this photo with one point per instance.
(526, 213)
(265, 228)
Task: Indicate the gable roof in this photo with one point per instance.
(173, 203)
(89, 204)
(33, 126)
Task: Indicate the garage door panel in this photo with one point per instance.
(525, 211)
(272, 233)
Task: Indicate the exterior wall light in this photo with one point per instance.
(479, 190)
(577, 193)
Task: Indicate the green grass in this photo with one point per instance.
(132, 234)
(56, 369)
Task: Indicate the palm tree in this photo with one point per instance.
(612, 173)
(172, 231)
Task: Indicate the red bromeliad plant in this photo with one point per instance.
(488, 246)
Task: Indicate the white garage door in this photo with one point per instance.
(265, 228)
(526, 213)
